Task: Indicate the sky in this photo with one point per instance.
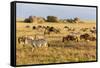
(24, 10)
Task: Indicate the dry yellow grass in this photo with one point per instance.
(57, 51)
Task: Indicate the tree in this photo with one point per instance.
(52, 19)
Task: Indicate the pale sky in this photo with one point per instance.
(24, 10)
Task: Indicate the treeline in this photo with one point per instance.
(32, 19)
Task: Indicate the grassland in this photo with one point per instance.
(58, 51)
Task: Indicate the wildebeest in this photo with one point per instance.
(94, 27)
(87, 37)
(92, 38)
(39, 28)
(70, 38)
(66, 27)
(93, 31)
(34, 27)
(84, 29)
(49, 30)
(69, 28)
(27, 26)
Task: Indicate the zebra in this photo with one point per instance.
(35, 42)
(39, 43)
(22, 39)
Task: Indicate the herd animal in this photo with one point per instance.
(70, 38)
(42, 41)
(35, 42)
(50, 30)
(46, 29)
(69, 28)
(21, 39)
(85, 37)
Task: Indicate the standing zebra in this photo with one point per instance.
(35, 42)
(39, 43)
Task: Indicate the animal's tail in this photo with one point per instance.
(63, 40)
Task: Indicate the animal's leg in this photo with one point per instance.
(32, 49)
(63, 40)
(46, 45)
(34, 45)
(23, 46)
(77, 39)
(40, 45)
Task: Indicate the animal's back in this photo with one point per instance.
(39, 42)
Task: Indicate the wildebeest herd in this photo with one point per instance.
(84, 34)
